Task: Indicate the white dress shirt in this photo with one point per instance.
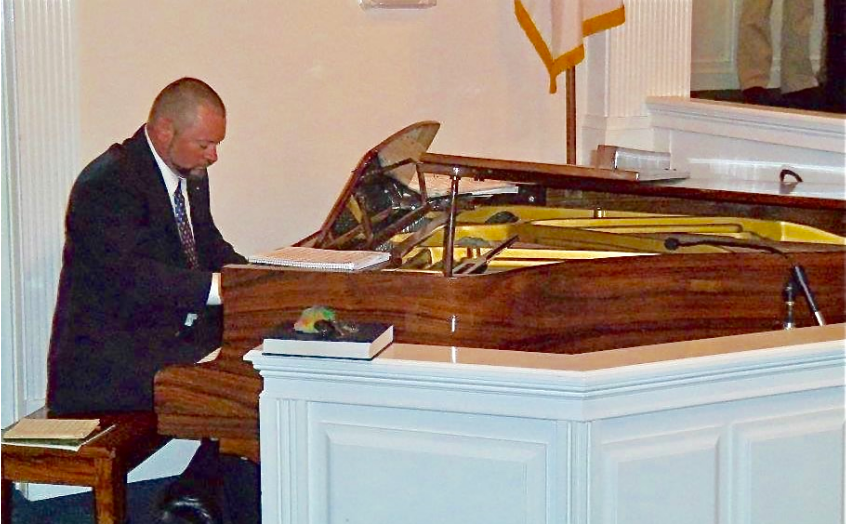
(171, 181)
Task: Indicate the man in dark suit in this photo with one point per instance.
(139, 286)
(129, 301)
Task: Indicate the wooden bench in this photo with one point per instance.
(102, 464)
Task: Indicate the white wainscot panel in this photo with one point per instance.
(686, 441)
(664, 478)
(789, 469)
(383, 465)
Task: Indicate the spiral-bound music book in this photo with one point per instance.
(321, 259)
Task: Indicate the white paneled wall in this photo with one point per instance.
(750, 437)
(714, 42)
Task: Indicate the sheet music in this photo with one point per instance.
(440, 185)
(51, 428)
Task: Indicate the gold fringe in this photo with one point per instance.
(604, 21)
(556, 66)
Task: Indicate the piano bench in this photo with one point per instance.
(102, 464)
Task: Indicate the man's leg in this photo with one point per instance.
(797, 73)
(835, 55)
(754, 46)
(242, 490)
(213, 489)
(196, 497)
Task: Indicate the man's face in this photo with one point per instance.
(193, 147)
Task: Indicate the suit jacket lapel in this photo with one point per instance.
(152, 184)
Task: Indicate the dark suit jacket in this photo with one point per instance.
(125, 288)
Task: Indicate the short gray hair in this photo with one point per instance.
(180, 99)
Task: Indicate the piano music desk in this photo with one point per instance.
(101, 464)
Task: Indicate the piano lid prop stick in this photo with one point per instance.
(449, 238)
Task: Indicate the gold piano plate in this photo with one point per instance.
(565, 234)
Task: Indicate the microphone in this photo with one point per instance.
(797, 272)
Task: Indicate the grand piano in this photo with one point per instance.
(530, 257)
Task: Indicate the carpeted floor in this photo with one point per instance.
(79, 509)
(240, 499)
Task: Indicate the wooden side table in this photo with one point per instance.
(101, 464)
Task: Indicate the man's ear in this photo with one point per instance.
(163, 129)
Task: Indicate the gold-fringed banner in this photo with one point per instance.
(557, 28)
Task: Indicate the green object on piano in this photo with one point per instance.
(310, 316)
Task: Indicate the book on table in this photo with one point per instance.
(69, 434)
(321, 259)
(356, 341)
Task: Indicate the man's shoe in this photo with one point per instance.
(811, 99)
(834, 94)
(758, 96)
(188, 501)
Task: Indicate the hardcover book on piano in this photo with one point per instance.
(358, 341)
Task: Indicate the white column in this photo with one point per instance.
(41, 150)
(649, 55)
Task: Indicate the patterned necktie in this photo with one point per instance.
(184, 226)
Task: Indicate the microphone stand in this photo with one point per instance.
(801, 279)
(796, 277)
(789, 302)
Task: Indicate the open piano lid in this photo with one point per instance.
(373, 205)
(392, 192)
(397, 182)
